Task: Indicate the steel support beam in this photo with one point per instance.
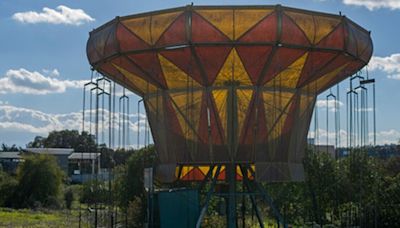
(208, 197)
(253, 200)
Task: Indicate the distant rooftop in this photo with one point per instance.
(52, 151)
(83, 156)
(10, 155)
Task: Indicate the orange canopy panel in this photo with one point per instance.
(200, 172)
(230, 83)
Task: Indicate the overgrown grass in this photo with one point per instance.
(38, 218)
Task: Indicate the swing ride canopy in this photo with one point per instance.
(229, 84)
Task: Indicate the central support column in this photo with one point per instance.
(231, 179)
(232, 123)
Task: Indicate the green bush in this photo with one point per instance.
(128, 182)
(39, 181)
(94, 192)
(7, 188)
(136, 212)
(68, 197)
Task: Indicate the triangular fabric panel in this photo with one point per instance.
(187, 108)
(254, 59)
(291, 32)
(305, 102)
(222, 174)
(351, 68)
(294, 105)
(246, 19)
(106, 43)
(232, 71)
(175, 34)
(157, 119)
(221, 19)
(282, 58)
(315, 27)
(159, 23)
(214, 172)
(243, 101)
(220, 99)
(283, 152)
(193, 174)
(172, 123)
(336, 62)
(289, 77)
(264, 31)
(351, 44)
(127, 65)
(215, 137)
(324, 26)
(247, 135)
(149, 63)
(276, 107)
(99, 45)
(185, 170)
(334, 39)
(109, 69)
(183, 59)
(261, 121)
(141, 27)
(363, 40)
(174, 76)
(234, 23)
(315, 61)
(325, 79)
(204, 169)
(152, 27)
(305, 22)
(204, 135)
(212, 59)
(203, 31)
(138, 82)
(128, 40)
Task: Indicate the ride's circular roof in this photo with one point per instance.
(211, 45)
(230, 83)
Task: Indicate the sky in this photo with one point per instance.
(43, 62)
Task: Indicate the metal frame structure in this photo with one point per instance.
(210, 102)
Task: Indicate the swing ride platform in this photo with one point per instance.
(229, 91)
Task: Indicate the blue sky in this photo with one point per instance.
(43, 60)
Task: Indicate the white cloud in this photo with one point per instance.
(33, 82)
(30, 121)
(389, 64)
(394, 76)
(383, 137)
(52, 73)
(331, 104)
(60, 15)
(374, 4)
(364, 109)
(390, 136)
(323, 134)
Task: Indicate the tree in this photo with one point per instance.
(66, 139)
(392, 166)
(13, 148)
(321, 180)
(128, 186)
(38, 142)
(39, 181)
(7, 186)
